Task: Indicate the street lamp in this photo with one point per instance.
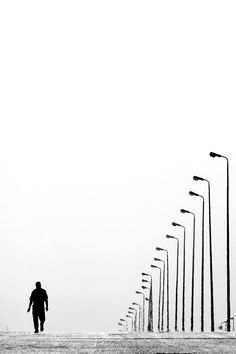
(121, 324)
(184, 211)
(139, 314)
(213, 154)
(159, 300)
(196, 178)
(150, 305)
(126, 323)
(143, 314)
(177, 280)
(134, 311)
(132, 322)
(183, 292)
(193, 194)
(163, 292)
(167, 278)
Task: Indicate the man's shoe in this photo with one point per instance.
(36, 331)
(41, 327)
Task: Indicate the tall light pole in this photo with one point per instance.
(183, 292)
(196, 178)
(139, 314)
(193, 266)
(132, 322)
(143, 314)
(150, 306)
(121, 324)
(213, 154)
(167, 279)
(193, 194)
(126, 323)
(163, 292)
(134, 311)
(159, 298)
(177, 280)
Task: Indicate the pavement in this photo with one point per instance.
(118, 343)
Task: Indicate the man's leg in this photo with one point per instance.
(36, 323)
(42, 319)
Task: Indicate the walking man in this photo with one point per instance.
(37, 298)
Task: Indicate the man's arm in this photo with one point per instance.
(30, 303)
(46, 300)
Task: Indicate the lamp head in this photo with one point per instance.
(168, 236)
(138, 292)
(144, 274)
(157, 259)
(159, 249)
(183, 211)
(153, 266)
(147, 299)
(175, 224)
(196, 178)
(213, 154)
(144, 287)
(193, 194)
(144, 281)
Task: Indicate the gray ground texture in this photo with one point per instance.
(85, 343)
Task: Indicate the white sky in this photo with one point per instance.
(108, 108)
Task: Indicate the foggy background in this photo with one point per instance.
(108, 108)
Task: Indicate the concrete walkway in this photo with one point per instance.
(117, 343)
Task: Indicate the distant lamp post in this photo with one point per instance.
(183, 292)
(184, 211)
(139, 314)
(213, 154)
(143, 314)
(135, 318)
(167, 279)
(159, 298)
(193, 194)
(150, 305)
(132, 322)
(126, 323)
(177, 280)
(163, 292)
(121, 324)
(196, 178)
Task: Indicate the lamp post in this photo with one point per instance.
(213, 154)
(163, 292)
(121, 324)
(196, 178)
(183, 292)
(193, 194)
(143, 314)
(150, 305)
(126, 323)
(139, 314)
(132, 322)
(167, 279)
(177, 280)
(135, 317)
(159, 299)
(193, 266)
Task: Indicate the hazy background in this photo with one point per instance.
(108, 108)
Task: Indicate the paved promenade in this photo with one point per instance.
(117, 343)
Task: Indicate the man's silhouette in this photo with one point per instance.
(37, 298)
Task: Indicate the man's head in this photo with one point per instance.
(38, 285)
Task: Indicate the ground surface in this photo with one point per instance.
(114, 343)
